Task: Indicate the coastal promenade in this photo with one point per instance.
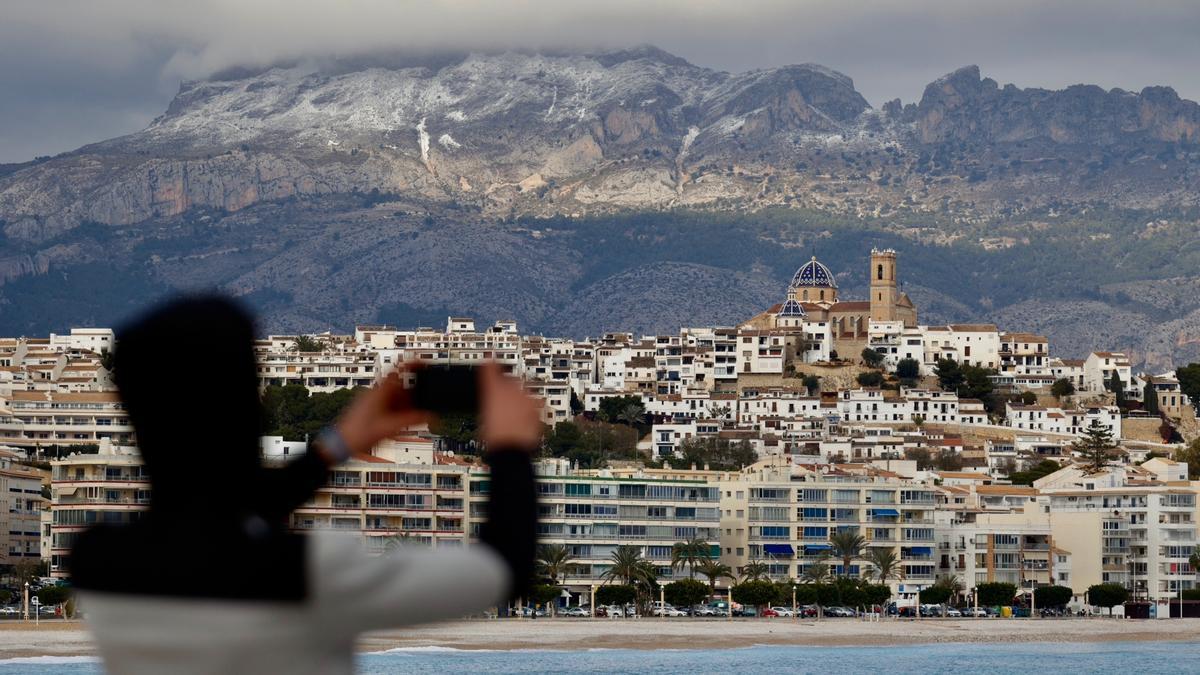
(72, 639)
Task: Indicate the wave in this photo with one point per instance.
(435, 649)
(49, 660)
(427, 649)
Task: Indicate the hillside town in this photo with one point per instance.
(967, 453)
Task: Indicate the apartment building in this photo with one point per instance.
(763, 351)
(998, 533)
(319, 371)
(897, 342)
(904, 407)
(1024, 354)
(1099, 368)
(594, 514)
(755, 404)
(783, 513)
(94, 340)
(1132, 525)
(1169, 395)
(419, 502)
(20, 522)
(1062, 421)
(106, 487)
(31, 419)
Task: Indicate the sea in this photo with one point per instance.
(930, 659)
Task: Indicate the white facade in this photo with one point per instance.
(1098, 369)
(1060, 421)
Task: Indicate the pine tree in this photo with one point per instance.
(1117, 386)
(1150, 398)
(1096, 446)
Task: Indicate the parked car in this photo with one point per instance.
(808, 611)
(720, 608)
(664, 609)
(974, 611)
(573, 611)
(951, 611)
(782, 611)
(769, 612)
(841, 612)
(9, 610)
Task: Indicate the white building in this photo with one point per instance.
(1098, 369)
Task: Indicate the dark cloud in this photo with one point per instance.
(76, 71)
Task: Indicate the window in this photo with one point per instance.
(632, 491)
(813, 495)
(632, 531)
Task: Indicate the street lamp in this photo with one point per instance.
(26, 600)
(1033, 599)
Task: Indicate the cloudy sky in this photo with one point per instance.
(76, 71)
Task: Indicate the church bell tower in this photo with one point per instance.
(885, 296)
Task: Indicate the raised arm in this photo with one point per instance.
(414, 585)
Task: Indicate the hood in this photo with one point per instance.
(186, 374)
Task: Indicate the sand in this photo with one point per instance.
(684, 633)
(60, 638)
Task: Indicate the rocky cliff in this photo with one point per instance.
(245, 172)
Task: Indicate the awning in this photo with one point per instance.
(885, 512)
(920, 550)
(817, 547)
(779, 549)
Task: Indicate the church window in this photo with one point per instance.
(880, 272)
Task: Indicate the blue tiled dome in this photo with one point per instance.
(791, 308)
(813, 274)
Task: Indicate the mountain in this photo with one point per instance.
(570, 191)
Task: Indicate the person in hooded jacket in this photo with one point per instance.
(211, 580)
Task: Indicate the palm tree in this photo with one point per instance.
(885, 562)
(628, 565)
(554, 560)
(688, 554)
(953, 583)
(755, 570)
(632, 414)
(714, 569)
(817, 573)
(847, 545)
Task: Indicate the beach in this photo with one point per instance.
(61, 638)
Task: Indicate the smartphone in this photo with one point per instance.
(445, 389)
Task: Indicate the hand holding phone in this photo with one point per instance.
(446, 390)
